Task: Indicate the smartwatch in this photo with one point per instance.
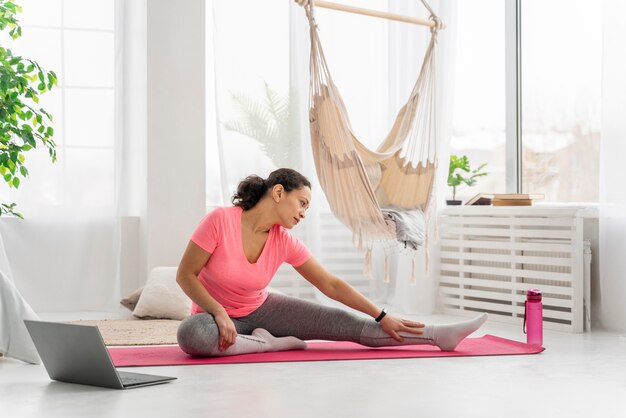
(381, 316)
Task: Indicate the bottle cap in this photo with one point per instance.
(533, 294)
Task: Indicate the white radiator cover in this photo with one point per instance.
(489, 256)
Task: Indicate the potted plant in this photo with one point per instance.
(23, 123)
(460, 172)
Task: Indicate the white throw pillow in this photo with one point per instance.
(162, 297)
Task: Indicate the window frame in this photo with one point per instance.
(63, 28)
(513, 95)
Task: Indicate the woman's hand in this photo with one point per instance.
(392, 325)
(228, 332)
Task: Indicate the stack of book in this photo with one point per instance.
(505, 199)
(515, 199)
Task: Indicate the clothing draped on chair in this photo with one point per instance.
(361, 184)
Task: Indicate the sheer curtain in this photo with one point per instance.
(255, 123)
(65, 255)
(406, 46)
(612, 280)
(248, 111)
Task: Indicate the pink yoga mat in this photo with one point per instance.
(487, 345)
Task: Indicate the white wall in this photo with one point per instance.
(612, 284)
(133, 119)
(163, 146)
(175, 127)
(162, 182)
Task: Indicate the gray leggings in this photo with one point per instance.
(284, 316)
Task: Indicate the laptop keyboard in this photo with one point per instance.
(131, 381)
(134, 379)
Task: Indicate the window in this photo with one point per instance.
(76, 40)
(479, 120)
(561, 85)
(560, 97)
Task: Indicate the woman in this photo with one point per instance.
(233, 255)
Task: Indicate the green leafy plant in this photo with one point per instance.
(460, 172)
(23, 123)
(269, 121)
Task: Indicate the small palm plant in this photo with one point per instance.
(270, 122)
(456, 173)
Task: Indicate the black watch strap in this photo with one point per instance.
(381, 316)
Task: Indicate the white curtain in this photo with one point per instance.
(611, 308)
(14, 339)
(64, 263)
(247, 58)
(406, 46)
(65, 255)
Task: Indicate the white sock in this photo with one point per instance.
(244, 344)
(448, 336)
(278, 344)
(261, 341)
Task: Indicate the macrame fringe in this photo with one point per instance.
(414, 270)
(367, 265)
(426, 257)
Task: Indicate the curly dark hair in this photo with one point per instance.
(251, 189)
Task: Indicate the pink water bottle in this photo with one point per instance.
(533, 317)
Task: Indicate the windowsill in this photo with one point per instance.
(584, 210)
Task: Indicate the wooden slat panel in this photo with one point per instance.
(506, 258)
(513, 297)
(347, 258)
(565, 247)
(508, 220)
(529, 274)
(512, 309)
(507, 232)
(516, 211)
(557, 290)
(340, 255)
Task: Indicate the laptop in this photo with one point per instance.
(76, 354)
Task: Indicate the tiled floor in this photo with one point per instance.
(577, 375)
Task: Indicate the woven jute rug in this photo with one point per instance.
(135, 331)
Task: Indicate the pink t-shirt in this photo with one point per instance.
(238, 285)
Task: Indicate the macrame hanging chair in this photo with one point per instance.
(360, 183)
